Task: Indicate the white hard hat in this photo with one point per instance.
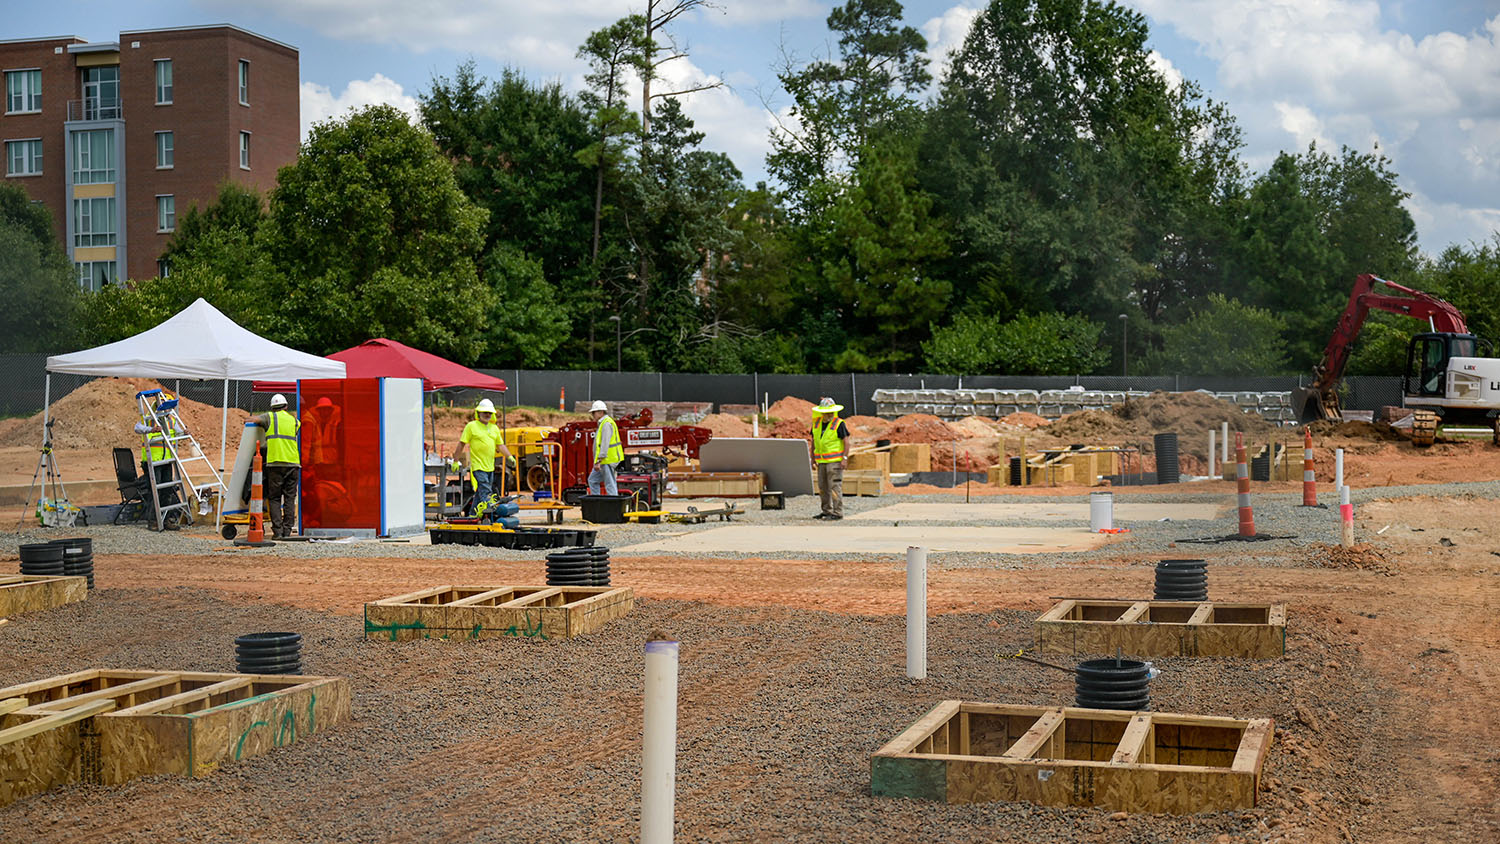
(278, 400)
(599, 406)
(485, 406)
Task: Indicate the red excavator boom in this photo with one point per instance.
(1321, 400)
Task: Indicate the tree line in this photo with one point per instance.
(1051, 194)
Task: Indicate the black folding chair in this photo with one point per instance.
(132, 485)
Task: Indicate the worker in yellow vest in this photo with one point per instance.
(154, 451)
(481, 440)
(608, 452)
(283, 465)
(830, 443)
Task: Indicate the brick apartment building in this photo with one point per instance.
(118, 138)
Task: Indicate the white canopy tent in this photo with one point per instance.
(199, 344)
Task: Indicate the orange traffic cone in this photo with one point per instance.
(1309, 480)
(1242, 478)
(256, 538)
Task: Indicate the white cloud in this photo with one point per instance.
(946, 33)
(759, 11)
(319, 103)
(1168, 71)
(730, 124)
(1334, 72)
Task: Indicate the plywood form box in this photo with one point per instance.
(28, 593)
(107, 727)
(1164, 629)
(868, 484)
(963, 752)
(496, 612)
(877, 461)
(715, 484)
(911, 457)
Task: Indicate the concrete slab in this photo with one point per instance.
(872, 539)
(1067, 511)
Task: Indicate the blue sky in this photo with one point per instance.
(1418, 80)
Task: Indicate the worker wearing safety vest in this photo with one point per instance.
(154, 451)
(481, 440)
(830, 443)
(608, 452)
(283, 465)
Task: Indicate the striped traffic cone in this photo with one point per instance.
(1242, 476)
(1309, 481)
(256, 537)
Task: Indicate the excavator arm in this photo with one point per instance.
(1321, 400)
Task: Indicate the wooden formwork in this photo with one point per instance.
(1163, 628)
(496, 612)
(28, 593)
(963, 752)
(106, 727)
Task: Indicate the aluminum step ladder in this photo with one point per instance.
(161, 416)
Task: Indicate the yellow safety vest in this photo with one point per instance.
(155, 448)
(281, 438)
(607, 442)
(827, 447)
(482, 439)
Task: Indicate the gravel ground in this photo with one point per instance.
(779, 711)
(1275, 515)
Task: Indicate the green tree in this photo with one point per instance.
(117, 312)
(369, 235)
(37, 283)
(1222, 337)
(1042, 344)
(527, 320)
(221, 237)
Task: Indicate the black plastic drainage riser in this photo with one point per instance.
(1017, 476)
(1181, 580)
(585, 566)
(1168, 470)
(42, 559)
(1260, 468)
(268, 653)
(1112, 684)
(78, 557)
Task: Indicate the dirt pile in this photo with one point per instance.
(1362, 556)
(1185, 414)
(922, 428)
(1022, 419)
(102, 415)
(1352, 430)
(791, 408)
(724, 425)
(870, 427)
(975, 426)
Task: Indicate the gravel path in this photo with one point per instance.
(780, 709)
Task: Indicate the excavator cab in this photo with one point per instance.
(1427, 357)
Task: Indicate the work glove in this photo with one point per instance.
(455, 466)
(141, 428)
(511, 459)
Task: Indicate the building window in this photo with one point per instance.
(94, 157)
(163, 150)
(23, 158)
(94, 222)
(101, 93)
(163, 268)
(244, 82)
(244, 150)
(23, 91)
(96, 275)
(166, 213)
(163, 81)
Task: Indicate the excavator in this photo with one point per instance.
(1451, 375)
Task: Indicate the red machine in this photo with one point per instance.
(642, 473)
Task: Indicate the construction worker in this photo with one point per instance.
(608, 452)
(283, 465)
(480, 441)
(830, 443)
(154, 450)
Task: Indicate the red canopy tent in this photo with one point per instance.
(382, 358)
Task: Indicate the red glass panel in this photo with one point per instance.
(340, 453)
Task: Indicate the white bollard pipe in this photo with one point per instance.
(1211, 433)
(755, 425)
(659, 743)
(1224, 444)
(916, 613)
(1338, 469)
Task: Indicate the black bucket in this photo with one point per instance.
(1167, 469)
(1181, 580)
(268, 653)
(1112, 684)
(78, 557)
(42, 559)
(604, 509)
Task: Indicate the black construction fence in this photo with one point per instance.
(23, 386)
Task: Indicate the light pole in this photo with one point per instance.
(1124, 346)
(616, 320)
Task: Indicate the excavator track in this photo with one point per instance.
(1423, 428)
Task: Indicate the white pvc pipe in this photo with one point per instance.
(1224, 444)
(916, 613)
(755, 425)
(1211, 433)
(659, 743)
(46, 404)
(1338, 469)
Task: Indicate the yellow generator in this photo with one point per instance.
(533, 469)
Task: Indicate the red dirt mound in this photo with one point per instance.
(102, 414)
(922, 428)
(793, 409)
(1022, 419)
(724, 425)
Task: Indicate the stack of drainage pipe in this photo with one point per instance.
(268, 653)
(1181, 580)
(78, 557)
(42, 559)
(586, 566)
(1113, 683)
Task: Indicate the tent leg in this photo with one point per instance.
(223, 444)
(46, 404)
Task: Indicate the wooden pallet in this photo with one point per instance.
(28, 593)
(963, 752)
(107, 727)
(1163, 629)
(496, 612)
